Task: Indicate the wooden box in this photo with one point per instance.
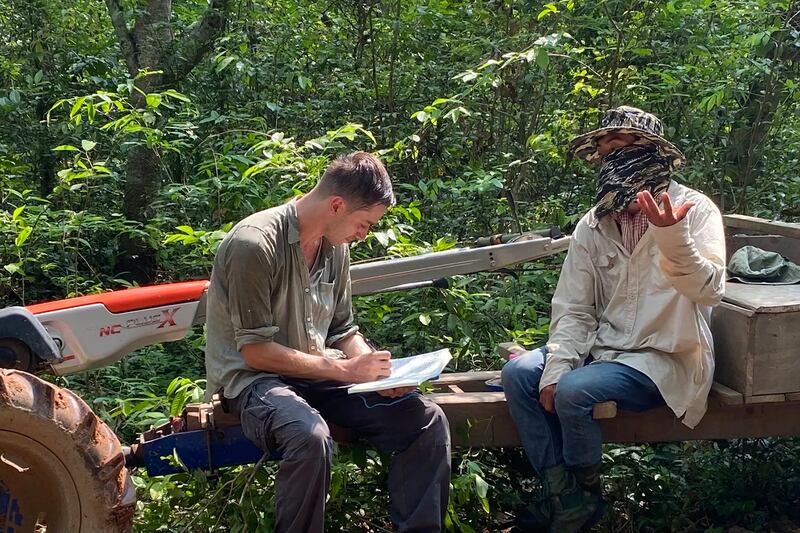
(757, 341)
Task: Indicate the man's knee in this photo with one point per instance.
(438, 427)
(307, 439)
(521, 376)
(572, 395)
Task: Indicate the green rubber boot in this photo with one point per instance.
(588, 477)
(571, 502)
(535, 518)
(574, 509)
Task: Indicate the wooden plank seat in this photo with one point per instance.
(480, 418)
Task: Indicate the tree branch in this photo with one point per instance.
(126, 41)
(189, 51)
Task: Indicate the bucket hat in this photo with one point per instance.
(646, 127)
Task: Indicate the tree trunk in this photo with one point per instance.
(151, 46)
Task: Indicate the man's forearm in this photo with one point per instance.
(279, 359)
(698, 276)
(353, 346)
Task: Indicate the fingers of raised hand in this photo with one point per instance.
(648, 205)
(667, 203)
(680, 212)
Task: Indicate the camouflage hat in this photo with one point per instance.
(646, 127)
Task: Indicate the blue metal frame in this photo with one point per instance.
(10, 515)
(199, 450)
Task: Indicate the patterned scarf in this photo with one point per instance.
(627, 171)
(632, 227)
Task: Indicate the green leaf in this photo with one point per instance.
(421, 116)
(172, 93)
(24, 233)
(12, 268)
(468, 76)
(382, 237)
(425, 319)
(174, 384)
(153, 100)
(481, 486)
(88, 145)
(66, 148)
(76, 107)
(548, 8)
(17, 212)
(542, 58)
(222, 65)
(188, 230)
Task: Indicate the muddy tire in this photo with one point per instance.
(61, 467)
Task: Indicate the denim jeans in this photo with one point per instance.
(571, 436)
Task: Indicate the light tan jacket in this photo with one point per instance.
(649, 309)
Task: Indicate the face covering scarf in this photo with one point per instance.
(626, 172)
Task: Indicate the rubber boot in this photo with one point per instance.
(534, 518)
(537, 516)
(574, 509)
(588, 477)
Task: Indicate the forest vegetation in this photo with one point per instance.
(134, 133)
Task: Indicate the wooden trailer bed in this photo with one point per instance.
(480, 418)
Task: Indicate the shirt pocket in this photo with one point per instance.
(608, 271)
(323, 307)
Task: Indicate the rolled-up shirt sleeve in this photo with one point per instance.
(693, 254)
(250, 268)
(342, 323)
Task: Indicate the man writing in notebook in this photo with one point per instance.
(634, 299)
(282, 346)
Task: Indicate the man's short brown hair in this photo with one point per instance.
(360, 178)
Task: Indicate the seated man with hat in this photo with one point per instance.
(630, 317)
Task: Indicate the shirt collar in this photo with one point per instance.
(294, 226)
(293, 231)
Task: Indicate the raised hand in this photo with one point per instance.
(656, 216)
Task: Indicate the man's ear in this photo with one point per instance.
(337, 205)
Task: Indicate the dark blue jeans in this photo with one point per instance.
(571, 436)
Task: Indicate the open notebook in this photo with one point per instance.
(408, 372)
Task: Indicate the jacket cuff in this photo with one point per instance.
(670, 238)
(553, 370)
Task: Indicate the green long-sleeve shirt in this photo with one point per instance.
(263, 291)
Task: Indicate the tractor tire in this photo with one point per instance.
(61, 467)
